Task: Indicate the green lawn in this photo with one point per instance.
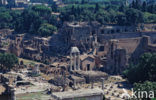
(27, 62)
(33, 96)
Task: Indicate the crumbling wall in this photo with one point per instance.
(124, 51)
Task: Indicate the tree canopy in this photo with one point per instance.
(144, 70)
(7, 61)
(47, 29)
(32, 18)
(36, 20)
(146, 86)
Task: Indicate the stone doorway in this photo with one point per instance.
(88, 67)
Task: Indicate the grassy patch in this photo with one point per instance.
(28, 62)
(30, 96)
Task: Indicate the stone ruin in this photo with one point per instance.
(111, 46)
(114, 46)
(75, 59)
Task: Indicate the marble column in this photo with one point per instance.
(74, 83)
(78, 61)
(102, 83)
(75, 61)
(13, 96)
(92, 85)
(71, 61)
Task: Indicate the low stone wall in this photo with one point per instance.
(92, 76)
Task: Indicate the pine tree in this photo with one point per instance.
(151, 9)
(144, 6)
(137, 4)
(83, 1)
(97, 7)
(121, 8)
(133, 4)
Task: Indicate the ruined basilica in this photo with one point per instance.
(90, 46)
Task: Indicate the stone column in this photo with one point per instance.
(75, 61)
(74, 83)
(78, 61)
(71, 61)
(92, 85)
(102, 83)
(13, 96)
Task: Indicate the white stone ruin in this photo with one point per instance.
(74, 59)
(36, 69)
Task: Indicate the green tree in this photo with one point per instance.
(54, 20)
(134, 16)
(43, 11)
(146, 86)
(122, 8)
(144, 70)
(151, 8)
(121, 19)
(18, 25)
(133, 4)
(5, 19)
(54, 7)
(8, 61)
(83, 2)
(31, 21)
(97, 7)
(11, 3)
(144, 6)
(47, 30)
(137, 4)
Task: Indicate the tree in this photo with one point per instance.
(30, 21)
(72, 18)
(18, 26)
(133, 4)
(43, 11)
(137, 4)
(144, 70)
(146, 86)
(54, 7)
(11, 3)
(7, 61)
(53, 20)
(134, 16)
(5, 18)
(151, 8)
(97, 7)
(83, 2)
(144, 6)
(121, 8)
(121, 19)
(47, 30)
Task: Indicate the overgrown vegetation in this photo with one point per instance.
(143, 75)
(41, 20)
(146, 86)
(7, 61)
(144, 70)
(36, 20)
